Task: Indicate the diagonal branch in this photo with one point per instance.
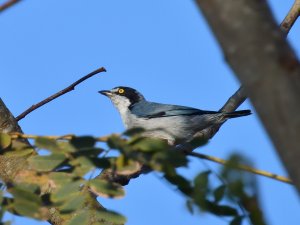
(8, 4)
(291, 17)
(241, 167)
(60, 93)
(267, 66)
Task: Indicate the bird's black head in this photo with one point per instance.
(122, 92)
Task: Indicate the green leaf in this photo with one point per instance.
(61, 178)
(5, 141)
(201, 181)
(46, 143)
(116, 142)
(26, 195)
(80, 219)
(198, 141)
(183, 184)
(106, 189)
(133, 131)
(30, 187)
(111, 216)
(20, 152)
(66, 147)
(83, 142)
(151, 145)
(67, 191)
(82, 165)
(25, 202)
(46, 163)
(219, 193)
(236, 220)
(72, 204)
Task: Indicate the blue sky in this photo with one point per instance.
(162, 48)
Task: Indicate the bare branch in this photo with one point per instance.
(241, 167)
(60, 93)
(291, 17)
(8, 4)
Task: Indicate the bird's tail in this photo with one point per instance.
(238, 113)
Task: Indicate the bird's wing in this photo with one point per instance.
(154, 110)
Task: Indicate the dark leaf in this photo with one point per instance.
(182, 184)
(198, 141)
(83, 142)
(220, 210)
(219, 193)
(116, 142)
(133, 131)
(151, 145)
(201, 181)
(88, 152)
(103, 162)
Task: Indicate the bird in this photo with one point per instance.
(174, 123)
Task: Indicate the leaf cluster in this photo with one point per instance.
(68, 166)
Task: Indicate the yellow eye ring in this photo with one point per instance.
(121, 91)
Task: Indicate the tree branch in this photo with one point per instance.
(8, 4)
(266, 65)
(241, 167)
(291, 17)
(60, 93)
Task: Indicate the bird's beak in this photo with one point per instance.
(105, 92)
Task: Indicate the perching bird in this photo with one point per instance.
(177, 124)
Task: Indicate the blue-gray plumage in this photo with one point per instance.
(177, 124)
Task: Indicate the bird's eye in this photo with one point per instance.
(121, 91)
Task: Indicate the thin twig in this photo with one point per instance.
(60, 93)
(242, 167)
(198, 155)
(8, 4)
(290, 18)
(66, 137)
(235, 100)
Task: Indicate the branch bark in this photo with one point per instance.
(267, 67)
(60, 93)
(15, 169)
(291, 17)
(8, 4)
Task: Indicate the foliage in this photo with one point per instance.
(68, 165)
